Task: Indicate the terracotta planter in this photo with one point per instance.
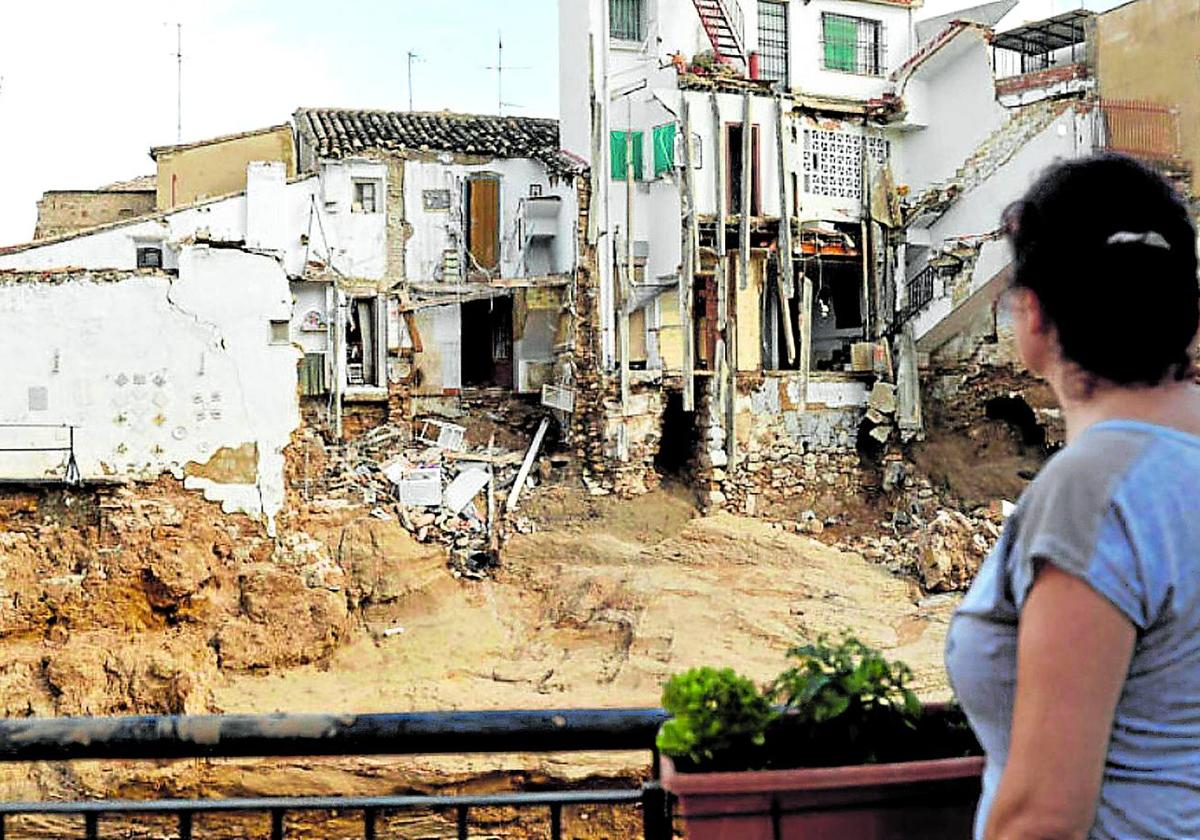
(919, 799)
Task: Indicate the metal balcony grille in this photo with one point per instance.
(773, 41)
(852, 44)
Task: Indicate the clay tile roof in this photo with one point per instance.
(343, 132)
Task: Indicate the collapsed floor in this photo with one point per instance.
(141, 600)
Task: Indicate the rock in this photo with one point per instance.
(883, 398)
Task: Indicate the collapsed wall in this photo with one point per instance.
(130, 375)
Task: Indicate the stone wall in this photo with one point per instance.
(789, 459)
(68, 211)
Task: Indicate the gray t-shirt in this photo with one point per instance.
(1120, 509)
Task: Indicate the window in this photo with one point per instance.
(733, 168)
(773, 41)
(363, 326)
(281, 332)
(852, 44)
(366, 197)
(627, 19)
(664, 149)
(149, 257)
(617, 143)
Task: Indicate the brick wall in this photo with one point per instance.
(67, 211)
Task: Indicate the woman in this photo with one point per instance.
(1076, 654)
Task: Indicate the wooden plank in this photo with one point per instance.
(865, 250)
(806, 294)
(510, 504)
(747, 197)
(691, 256)
(414, 334)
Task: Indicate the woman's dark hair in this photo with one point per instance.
(1108, 248)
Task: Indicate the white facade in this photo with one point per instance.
(157, 373)
(536, 221)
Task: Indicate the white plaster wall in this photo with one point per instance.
(308, 296)
(955, 101)
(155, 372)
(222, 220)
(266, 226)
(356, 243)
(440, 365)
(435, 231)
(978, 211)
(807, 58)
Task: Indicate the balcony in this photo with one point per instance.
(1045, 58)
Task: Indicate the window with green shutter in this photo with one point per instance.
(841, 37)
(852, 44)
(664, 148)
(617, 146)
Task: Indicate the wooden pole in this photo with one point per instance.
(691, 256)
(786, 287)
(806, 295)
(747, 197)
(627, 275)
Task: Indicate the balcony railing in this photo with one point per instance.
(242, 736)
(918, 294)
(1139, 129)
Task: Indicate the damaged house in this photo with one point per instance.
(476, 218)
(398, 268)
(795, 211)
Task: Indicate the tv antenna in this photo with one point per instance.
(178, 56)
(412, 56)
(500, 67)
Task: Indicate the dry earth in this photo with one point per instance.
(595, 608)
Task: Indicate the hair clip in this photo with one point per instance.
(1151, 238)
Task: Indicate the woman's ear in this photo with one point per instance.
(1034, 332)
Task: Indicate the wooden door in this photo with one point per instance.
(483, 226)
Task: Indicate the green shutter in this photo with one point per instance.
(664, 148)
(617, 146)
(841, 39)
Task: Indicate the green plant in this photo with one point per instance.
(832, 679)
(719, 719)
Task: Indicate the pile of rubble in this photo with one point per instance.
(943, 552)
(440, 489)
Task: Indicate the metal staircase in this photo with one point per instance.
(722, 21)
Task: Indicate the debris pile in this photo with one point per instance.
(440, 489)
(943, 551)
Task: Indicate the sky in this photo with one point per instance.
(87, 88)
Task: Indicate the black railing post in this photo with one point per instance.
(277, 823)
(91, 826)
(656, 812)
(556, 822)
(185, 825)
(461, 822)
(369, 823)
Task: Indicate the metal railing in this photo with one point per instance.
(274, 736)
(737, 22)
(1139, 129)
(918, 294)
(71, 474)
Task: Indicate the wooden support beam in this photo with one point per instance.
(786, 287)
(747, 197)
(691, 259)
(806, 349)
(865, 251)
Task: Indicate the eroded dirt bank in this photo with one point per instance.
(154, 602)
